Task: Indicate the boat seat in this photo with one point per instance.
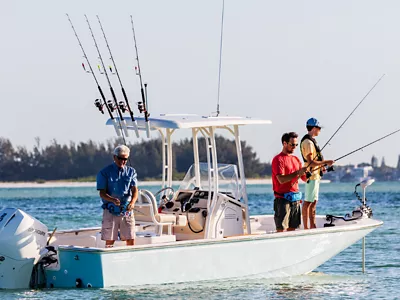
(146, 213)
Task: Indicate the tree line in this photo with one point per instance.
(84, 159)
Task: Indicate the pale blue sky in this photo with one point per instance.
(282, 60)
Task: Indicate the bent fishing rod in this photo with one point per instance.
(358, 149)
(141, 106)
(98, 104)
(121, 106)
(121, 119)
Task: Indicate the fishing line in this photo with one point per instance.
(121, 120)
(135, 127)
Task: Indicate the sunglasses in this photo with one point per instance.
(293, 145)
(122, 158)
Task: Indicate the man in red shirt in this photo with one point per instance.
(286, 170)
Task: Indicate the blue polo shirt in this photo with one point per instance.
(117, 182)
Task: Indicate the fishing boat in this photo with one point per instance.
(201, 230)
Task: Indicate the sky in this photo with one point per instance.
(285, 61)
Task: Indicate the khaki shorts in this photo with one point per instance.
(111, 224)
(312, 191)
(287, 214)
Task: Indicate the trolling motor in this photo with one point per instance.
(362, 211)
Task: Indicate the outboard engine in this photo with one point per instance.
(22, 238)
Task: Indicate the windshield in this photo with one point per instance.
(227, 178)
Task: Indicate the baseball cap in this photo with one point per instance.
(313, 122)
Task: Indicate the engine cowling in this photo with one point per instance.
(22, 237)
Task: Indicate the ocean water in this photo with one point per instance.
(338, 278)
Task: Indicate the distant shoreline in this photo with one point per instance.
(51, 184)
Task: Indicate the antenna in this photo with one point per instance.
(220, 54)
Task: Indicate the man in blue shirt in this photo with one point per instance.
(118, 190)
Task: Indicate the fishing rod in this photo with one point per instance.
(362, 100)
(340, 126)
(142, 106)
(98, 103)
(121, 119)
(121, 105)
(358, 149)
(220, 54)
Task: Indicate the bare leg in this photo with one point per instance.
(304, 212)
(313, 208)
(130, 242)
(109, 244)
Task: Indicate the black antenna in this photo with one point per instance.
(122, 120)
(98, 103)
(141, 105)
(122, 107)
(220, 54)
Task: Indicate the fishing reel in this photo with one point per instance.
(122, 106)
(98, 104)
(140, 106)
(111, 105)
(330, 169)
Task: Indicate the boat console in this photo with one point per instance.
(192, 204)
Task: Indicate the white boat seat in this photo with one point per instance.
(146, 213)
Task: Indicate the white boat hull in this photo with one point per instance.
(264, 255)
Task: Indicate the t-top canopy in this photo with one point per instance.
(177, 121)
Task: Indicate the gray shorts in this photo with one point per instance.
(111, 224)
(287, 214)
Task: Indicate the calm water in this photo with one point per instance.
(340, 277)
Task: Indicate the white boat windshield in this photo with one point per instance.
(227, 178)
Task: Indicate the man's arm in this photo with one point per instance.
(316, 163)
(289, 177)
(103, 194)
(135, 194)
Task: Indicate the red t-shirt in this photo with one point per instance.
(284, 164)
